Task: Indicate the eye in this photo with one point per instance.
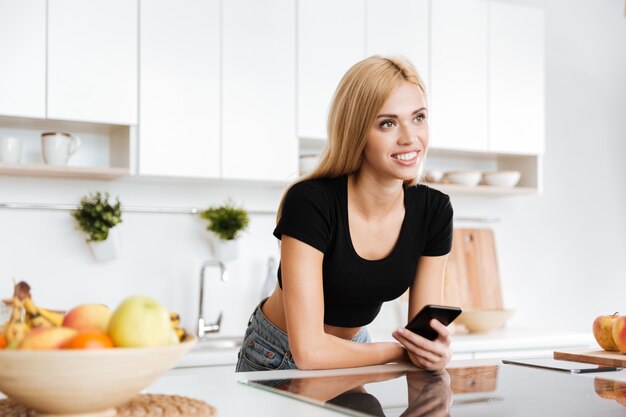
(421, 117)
(386, 124)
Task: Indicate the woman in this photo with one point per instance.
(356, 232)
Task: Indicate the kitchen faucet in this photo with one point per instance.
(203, 328)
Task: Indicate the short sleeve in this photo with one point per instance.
(306, 216)
(439, 237)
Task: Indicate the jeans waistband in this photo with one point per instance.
(267, 329)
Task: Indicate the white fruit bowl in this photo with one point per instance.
(484, 320)
(467, 178)
(506, 179)
(94, 381)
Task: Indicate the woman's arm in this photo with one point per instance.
(427, 288)
(310, 345)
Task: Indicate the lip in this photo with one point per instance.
(407, 162)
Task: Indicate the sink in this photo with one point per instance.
(218, 343)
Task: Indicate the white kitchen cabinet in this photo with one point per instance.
(23, 57)
(399, 27)
(179, 108)
(258, 101)
(516, 79)
(458, 108)
(92, 60)
(331, 38)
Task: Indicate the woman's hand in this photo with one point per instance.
(430, 394)
(432, 355)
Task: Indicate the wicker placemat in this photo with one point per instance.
(145, 405)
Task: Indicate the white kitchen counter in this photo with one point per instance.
(220, 387)
(509, 342)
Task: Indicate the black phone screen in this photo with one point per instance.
(420, 324)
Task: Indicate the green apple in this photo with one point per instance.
(140, 322)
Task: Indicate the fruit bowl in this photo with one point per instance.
(91, 381)
(484, 320)
(507, 179)
(467, 178)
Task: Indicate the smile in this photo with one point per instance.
(405, 156)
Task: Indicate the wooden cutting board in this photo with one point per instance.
(598, 357)
(472, 279)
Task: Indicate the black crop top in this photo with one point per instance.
(316, 213)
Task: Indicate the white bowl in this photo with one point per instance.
(433, 175)
(467, 178)
(502, 178)
(70, 381)
(484, 320)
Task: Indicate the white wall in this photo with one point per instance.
(562, 253)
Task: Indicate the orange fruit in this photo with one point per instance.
(3, 341)
(90, 339)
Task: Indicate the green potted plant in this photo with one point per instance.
(226, 222)
(97, 217)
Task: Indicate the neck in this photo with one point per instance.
(373, 197)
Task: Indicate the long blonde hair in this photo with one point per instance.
(359, 97)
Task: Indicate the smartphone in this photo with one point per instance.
(562, 365)
(420, 324)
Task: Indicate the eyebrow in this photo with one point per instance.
(395, 116)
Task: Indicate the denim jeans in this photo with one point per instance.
(266, 347)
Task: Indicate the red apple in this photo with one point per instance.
(47, 338)
(88, 317)
(603, 331)
(619, 333)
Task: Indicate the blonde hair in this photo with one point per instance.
(358, 98)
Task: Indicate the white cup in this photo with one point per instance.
(57, 147)
(10, 150)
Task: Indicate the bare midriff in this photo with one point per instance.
(274, 311)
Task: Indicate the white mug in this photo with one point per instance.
(57, 147)
(10, 150)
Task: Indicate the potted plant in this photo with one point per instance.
(97, 217)
(226, 222)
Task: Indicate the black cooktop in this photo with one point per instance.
(498, 390)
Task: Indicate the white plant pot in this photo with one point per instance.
(225, 250)
(108, 249)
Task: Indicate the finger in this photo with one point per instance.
(439, 345)
(436, 347)
(444, 332)
(435, 352)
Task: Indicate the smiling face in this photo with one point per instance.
(398, 138)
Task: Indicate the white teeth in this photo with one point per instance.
(406, 156)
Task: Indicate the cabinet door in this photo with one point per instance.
(258, 134)
(331, 38)
(23, 57)
(179, 107)
(399, 27)
(458, 111)
(516, 84)
(92, 60)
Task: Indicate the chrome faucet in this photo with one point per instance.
(204, 328)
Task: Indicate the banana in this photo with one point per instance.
(30, 307)
(181, 333)
(15, 332)
(175, 321)
(40, 321)
(55, 318)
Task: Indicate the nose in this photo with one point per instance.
(408, 135)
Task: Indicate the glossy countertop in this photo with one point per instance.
(483, 388)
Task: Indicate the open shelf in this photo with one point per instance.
(41, 170)
(453, 189)
(104, 154)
